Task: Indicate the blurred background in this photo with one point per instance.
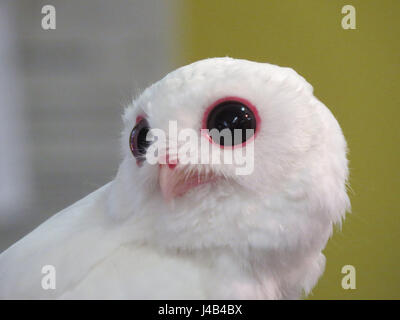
(62, 93)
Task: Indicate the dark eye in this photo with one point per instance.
(231, 115)
(137, 140)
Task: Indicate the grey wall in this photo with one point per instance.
(75, 81)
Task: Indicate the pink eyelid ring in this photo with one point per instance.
(139, 118)
(230, 98)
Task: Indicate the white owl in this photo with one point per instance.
(200, 230)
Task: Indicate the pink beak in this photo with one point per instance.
(175, 182)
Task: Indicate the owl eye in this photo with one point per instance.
(231, 115)
(137, 139)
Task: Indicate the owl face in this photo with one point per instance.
(277, 178)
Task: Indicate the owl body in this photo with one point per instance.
(150, 234)
(99, 261)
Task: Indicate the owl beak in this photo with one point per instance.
(175, 182)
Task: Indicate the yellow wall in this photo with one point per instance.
(356, 74)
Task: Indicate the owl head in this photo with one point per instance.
(280, 183)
